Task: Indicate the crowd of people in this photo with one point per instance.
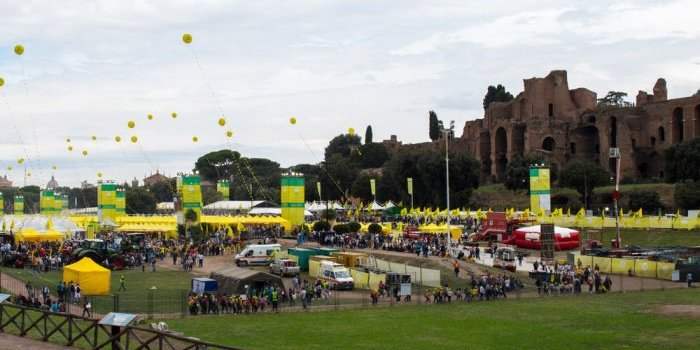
(568, 279)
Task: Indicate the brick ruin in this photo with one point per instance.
(565, 124)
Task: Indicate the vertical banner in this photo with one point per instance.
(46, 206)
(318, 189)
(292, 199)
(373, 186)
(2, 204)
(409, 185)
(224, 188)
(539, 190)
(57, 203)
(106, 203)
(19, 205)
(192, 196)
(121, 202)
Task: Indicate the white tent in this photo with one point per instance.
(273, 211)
(375, 206)
(39, 223)
(389, 204)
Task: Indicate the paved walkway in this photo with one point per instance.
(11, 342)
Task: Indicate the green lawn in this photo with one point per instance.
(138, 298)
(612, 321)
(651, 238)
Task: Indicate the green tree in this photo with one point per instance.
(361, 187)
(31, 198)
(217, 165)
(373, 155)
(648, 201)
(345, 145)
(210, 195)
(518, 171)
(584, 176)
(368, 135)
(682, 161)
(140, 201)
(162, 191)
(686, 194)
(374, 229)
(614, 98)
(496, 94)
(433, 126)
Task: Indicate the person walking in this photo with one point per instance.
(122, 283)
(689, 278)
(275, 300)
(87, 309)
(455, 265)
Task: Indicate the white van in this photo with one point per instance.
(257, 254)
(336, 274)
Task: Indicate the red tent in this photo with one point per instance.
(529, 238)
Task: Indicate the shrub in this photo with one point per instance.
(374, 229)
(341, 228)
(354, 227)
(648, 201)
(566, 198)
(320, 226)
(687, 195)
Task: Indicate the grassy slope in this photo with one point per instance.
(586, 322)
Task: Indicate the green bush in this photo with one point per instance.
(341, 228)
(374, 229)
(687, 195)
(648, 201)
(354, 227)
(566, 198)
(322, 226)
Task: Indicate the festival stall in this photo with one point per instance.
(93, 278)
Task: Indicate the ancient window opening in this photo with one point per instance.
(613, 132)
(572, 147)
(653, 141)
(548, 144)
(551, 110)
(677, 126)
(662, 134)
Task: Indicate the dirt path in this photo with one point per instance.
(11, 342)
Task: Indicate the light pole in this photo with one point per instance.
(446, 135)
(615, 154)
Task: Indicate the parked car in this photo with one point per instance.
(284, 267)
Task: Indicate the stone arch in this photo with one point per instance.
(501, 152)
(677, 126)
(662, 134)
(485, 153)
(518, 141)
(587, 143)
(548, 144)
(697, 121)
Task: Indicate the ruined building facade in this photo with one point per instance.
(565, 124)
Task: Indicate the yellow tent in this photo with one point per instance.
(31, 235)
(93, 278)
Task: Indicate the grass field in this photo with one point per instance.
(612, 321)
(651, 238)
(166, 298)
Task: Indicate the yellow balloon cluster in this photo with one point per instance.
(229, 134)
(150, 117)
(20, 161)
(173, 114)
(118, 138)
(222, 121)
(70, 148)
(134, 139)
(131, 124)
(187, 38)
(292, 120)
(351, 131)
(2, 81)
(19, 49)
(195, 138)
(85, 152)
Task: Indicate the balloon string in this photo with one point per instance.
(217, 102)
(33, 120)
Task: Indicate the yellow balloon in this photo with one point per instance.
(222, 121)
(29, 174)
(131, 124)
(85, 152)
(229, 134)
(19, 49)
(99, 174)
(68, 140)
(9, 168)
(20, 161)
(150, 117)
(54, 167)
(173, 114)
(118, 138)
(292, 120)
(94, 138)
(187, 38)
(70, 148)
(351, 131)
(134, 139)
(195, 138)
(2, 81)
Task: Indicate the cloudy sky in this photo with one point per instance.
(91, 66)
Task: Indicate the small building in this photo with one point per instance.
(5, 182)
(155, 178)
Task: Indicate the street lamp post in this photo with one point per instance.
(615, 154)
(446, 135)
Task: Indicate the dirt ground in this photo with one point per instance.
(692, 311)
(11, 342)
